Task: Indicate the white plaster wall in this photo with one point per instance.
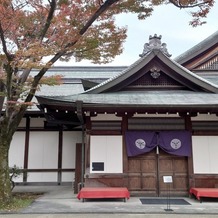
(155, 115)
(43, 150)
(114, 154)
(69, 148)
(205, 117)
(16, 152)
(42, 177)
(70, 139)
(102, 117)
(68, 177)
(43, 154)
(205, 150)
(107, 149)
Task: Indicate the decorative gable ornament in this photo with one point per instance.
(155, 72)
(155, 44)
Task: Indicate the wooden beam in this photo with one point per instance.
(26, 148)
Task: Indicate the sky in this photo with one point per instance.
(169, 22)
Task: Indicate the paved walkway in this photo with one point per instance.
(59, 201)
(107, 216)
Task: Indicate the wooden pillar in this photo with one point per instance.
(78, 167)
(60, 152)
(87, 143)
(124, 127)
(188, 126)
(26, 149)
(125, 157)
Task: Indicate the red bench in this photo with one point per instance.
(204, 192)
(103, 192)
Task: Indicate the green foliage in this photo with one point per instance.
(14, 172)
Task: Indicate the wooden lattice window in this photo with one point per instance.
(162, 80)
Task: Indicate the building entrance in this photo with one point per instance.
(145, 174)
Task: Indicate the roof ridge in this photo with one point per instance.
(198, 47)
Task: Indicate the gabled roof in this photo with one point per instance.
(184, 90)
(155, 59)
(203, 56)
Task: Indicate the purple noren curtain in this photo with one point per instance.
(139, 142)
(172, 142)
(176, 142)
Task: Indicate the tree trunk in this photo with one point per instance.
(5, 185)
(8, 126)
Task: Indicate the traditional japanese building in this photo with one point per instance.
(133, 126)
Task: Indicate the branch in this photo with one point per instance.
(97, 14)
(42, 72)
(8, 55)
(49, 18)
(26, 72)
(1, 103)
(93, 18)
(79, 51)
(179, 5)
(24, 75)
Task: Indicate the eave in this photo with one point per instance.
(153, 102)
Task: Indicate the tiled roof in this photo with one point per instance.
(84, 72)
(205, 94)
(60, 90)
(72, 76)
(145, 99)
(142, 62)
(197, 49)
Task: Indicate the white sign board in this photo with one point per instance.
(167, 179)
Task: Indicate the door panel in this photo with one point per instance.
(180, 182)
(149, 183)
(149, 177)
(177, 167)
(142, 173)
(148, 165)
(134, 166)
(134, 174)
